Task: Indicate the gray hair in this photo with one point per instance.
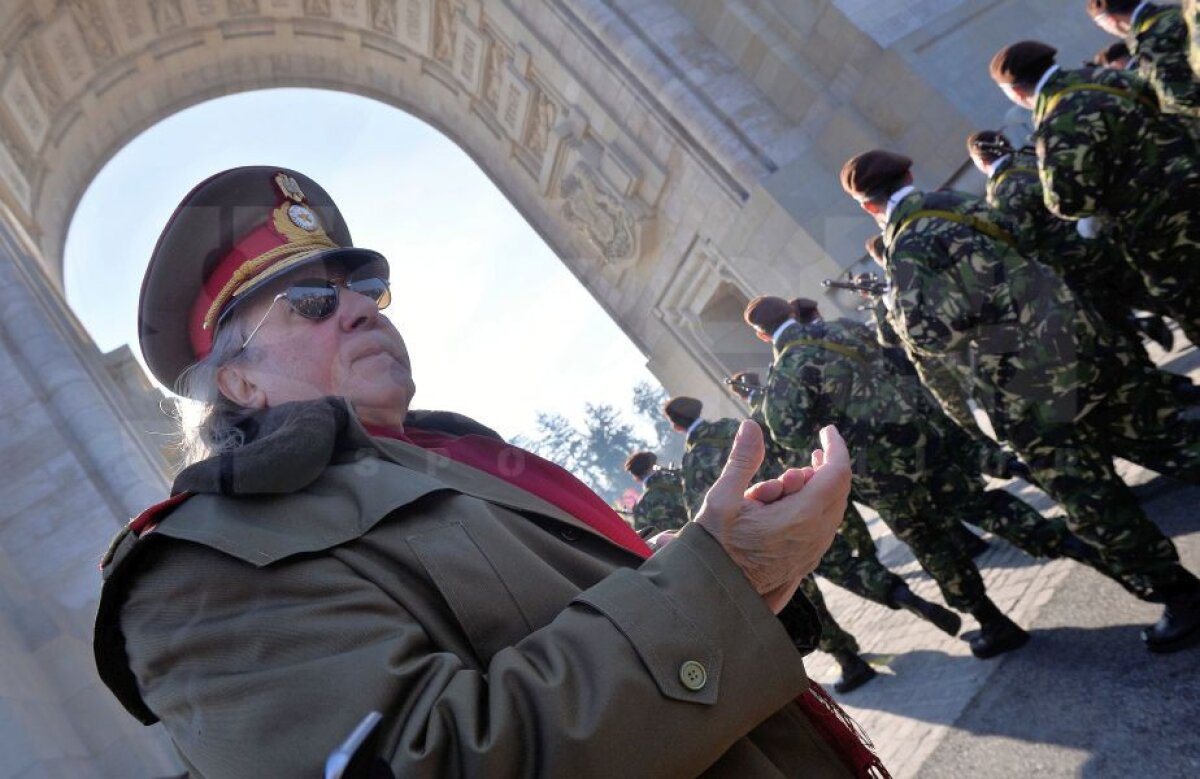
(208, 421)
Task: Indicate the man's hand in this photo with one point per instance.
(778, 530)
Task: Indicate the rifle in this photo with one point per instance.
(740, 386)
(873, 287)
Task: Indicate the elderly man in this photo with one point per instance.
(329, 554)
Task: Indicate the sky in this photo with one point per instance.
(497, 327)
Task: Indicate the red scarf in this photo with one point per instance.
(558, 487)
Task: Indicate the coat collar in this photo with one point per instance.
(311, 445)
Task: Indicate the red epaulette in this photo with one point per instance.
(148, 520)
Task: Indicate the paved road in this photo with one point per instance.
(1083, 698)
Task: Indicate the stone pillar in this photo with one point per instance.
(73, 474)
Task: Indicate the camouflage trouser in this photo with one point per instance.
(854, 530)
(1073, 463)
(1165, 247)
(863, 576)
(833, 638)
(1140, 422)
(918, 518)
(961, 494)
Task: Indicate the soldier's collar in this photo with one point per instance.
(896, 197)
(692, 428)
(779, 330)
(1041, 84)
(999, 164)
(1137, 13)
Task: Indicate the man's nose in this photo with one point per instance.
(356, 310)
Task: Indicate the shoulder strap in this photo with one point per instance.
(976, 223)
(842, 349)
(1010, 170)
(1149, 21)
(1125, 94)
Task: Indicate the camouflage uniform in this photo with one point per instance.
(1056, 384)
(822, 375)
(661, 504)
(1159, 43)
(705, 451)
(834, 638)
(1105, 150)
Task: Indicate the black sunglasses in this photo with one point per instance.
(317, 299)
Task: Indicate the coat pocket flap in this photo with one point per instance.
(685, 664)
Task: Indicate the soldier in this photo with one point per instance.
(1094, 269)
(660, 506)
(1105, 153)
(1047, 372)
(748, 386)
(1157, 37)
(707, 447)
(823, 373)
(851, 561)
(1115, 56)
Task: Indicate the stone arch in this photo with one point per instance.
(678, 155)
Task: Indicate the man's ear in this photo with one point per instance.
(765, 337)
(235, 385)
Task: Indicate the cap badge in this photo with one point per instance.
(288, 186)
(303, 217)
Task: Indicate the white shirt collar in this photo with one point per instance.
(779, 330)
(1037, 91)
(995, 166)
(895, 199)
(1133, 17)
(692, 427)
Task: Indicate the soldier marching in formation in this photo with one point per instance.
(1030, 305)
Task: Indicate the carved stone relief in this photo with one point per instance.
(416, 25)
(598, 214)
(319, 8)
(352, 13)
(24, 107)
(468, 56)
(445, 22)
(133, 22)
(168, 15)
(201, 12)
(493, 72)
(541, 122)
(383, 16)
(65, 45)
(96, 35)
(244, 8)
(515, 94)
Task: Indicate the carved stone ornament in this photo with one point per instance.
(493, 73)
(443, 33)
(599, 215)
(541, 121)
(319, 8)
(243, 8)
(168, 15)
(96, 35)
(383, 16)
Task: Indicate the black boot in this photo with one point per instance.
(855, 672)
(997, 633)
(942, 618)
(1179, 626)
